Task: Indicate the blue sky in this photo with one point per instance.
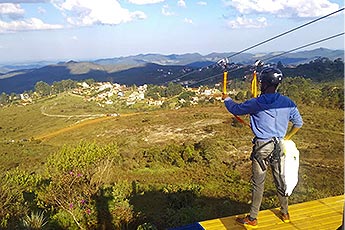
(37, 30)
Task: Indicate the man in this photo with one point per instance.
(270, 114)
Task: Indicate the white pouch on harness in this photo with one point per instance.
(291, 165)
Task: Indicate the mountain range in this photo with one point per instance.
(141, 69)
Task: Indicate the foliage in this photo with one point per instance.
(17, 196)
(35, 221)
(154, 92)
(146, 226)
(118, 205)
(169, 168)
(11, 200)
(62, 86)
(173, 154)
(328, 95)
(179, 196)
(42, 88)
(83, 158)
(77, 192)
(71, 194)
(4, 99)
(76, 177)
(240, 96)
(172, 89)
(320, 70)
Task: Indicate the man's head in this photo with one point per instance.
(270, 78)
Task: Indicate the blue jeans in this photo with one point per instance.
(264, 149)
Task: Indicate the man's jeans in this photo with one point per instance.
(264, 149)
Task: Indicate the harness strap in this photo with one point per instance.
(274, 156)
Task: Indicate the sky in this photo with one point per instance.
(63, 30)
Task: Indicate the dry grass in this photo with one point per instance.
(224, 179)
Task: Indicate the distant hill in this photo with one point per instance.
(144, 68)
(21, 66)
(244, 58)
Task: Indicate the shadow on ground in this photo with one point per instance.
(167, 210)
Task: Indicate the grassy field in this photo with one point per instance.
(218, 185)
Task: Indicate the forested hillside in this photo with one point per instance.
(193, 74)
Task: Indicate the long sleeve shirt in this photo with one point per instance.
(269, 114)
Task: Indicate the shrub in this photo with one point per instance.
(84, 157)
(75, 181)
(17, 196)
(36, 220)
(146, 226)
(181, 196)
(182, 204)
(11, 200)
(71, 194)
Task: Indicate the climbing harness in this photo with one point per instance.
(274, 158)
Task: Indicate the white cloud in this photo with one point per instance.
(12, 20)
(13, 11)
(91, 12)
(243, 22)
(144, 2)
(166, 12)
(284, 8)
(181, 3)
(26, 25)
(41, 10)
(201, 3)
(23, 1)
(188, 20)
(75, 38)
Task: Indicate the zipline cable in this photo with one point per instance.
(301, 47)
(284, 33)
(266, 59)
(270, 39)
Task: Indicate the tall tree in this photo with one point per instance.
(3, 99)
(42, 88)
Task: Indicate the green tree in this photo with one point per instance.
(186, 95)
(332, 96)
(4, 99)
(57, 87)
(153, 91)
(68, 84)
(173, 89)
(240, 96)
(90, 81)
(42, 88)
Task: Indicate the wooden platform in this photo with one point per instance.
(320, 214)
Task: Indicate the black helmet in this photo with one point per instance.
(271, 75)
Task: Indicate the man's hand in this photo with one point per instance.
(224, 95)
(292, 132)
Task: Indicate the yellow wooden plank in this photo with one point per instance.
(319, 214)
(216, 224)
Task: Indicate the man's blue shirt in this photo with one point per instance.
(269, 114)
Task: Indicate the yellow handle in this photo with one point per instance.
(254, 85)
(225, 76)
